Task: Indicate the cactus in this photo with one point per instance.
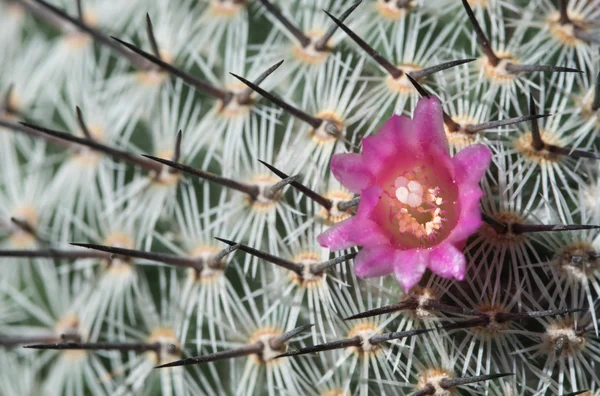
(189, 197)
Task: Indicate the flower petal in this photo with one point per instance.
(377, 261)
(448, 262)
(471, 163)
(400, 131)
(350, 170)
(377, 152)
(368, 200)
(469, 220)
(428, 123)
(409, 266)
(351, 232)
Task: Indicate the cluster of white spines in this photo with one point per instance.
(242, 155)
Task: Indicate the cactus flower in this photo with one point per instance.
(418, 205)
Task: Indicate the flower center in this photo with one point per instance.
(499, 74)
(365, 331)
(394, 9)
(169, 346)
(268, 338)
(578, 261)
(564, 33)
(227, 8)
(418, 207)
(311, 54)
(402, 84)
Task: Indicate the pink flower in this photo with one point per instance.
(418, 205)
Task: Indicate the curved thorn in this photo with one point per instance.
(244, 97)
(329, 346)
(447, 383)
(596, 102)
(398, 335)
(177, 151)
(54, 254)
(283, 339)
(576, 393)
(524, 228)
(99, 346)
(508, 316)
(564, 14)
(500, 123)
(426, 391)
(422, 91)
(573, 153)
(316, 197)
(321, 44)
(312, 121)
(213, 357)
(151, 37)
(498, 227)
(518, 68)
(169, 259)
(536, 138)
(317, 269)
(479, 321)
(289, 265)
(297, 33)
(12, 341)
(590, 37)
(345, 205)
(223, 253)
(79, 9)
(252, 191)
(399, 306)
(483, 40)
(445, 308)
(33, 133)
(377, 57)
(95, 34)
(82, 124)
(187, 78)
(418, 74)
(111, 151)
(275, 188)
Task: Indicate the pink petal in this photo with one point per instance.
(368, 200)
(378, 152)
(471, 163)
(428, 120)
(448, 262)
(469, 220)
(337, 237)
(409, 266)
(400, 131)
(375, 261)
(351, 232)
(350, 170)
